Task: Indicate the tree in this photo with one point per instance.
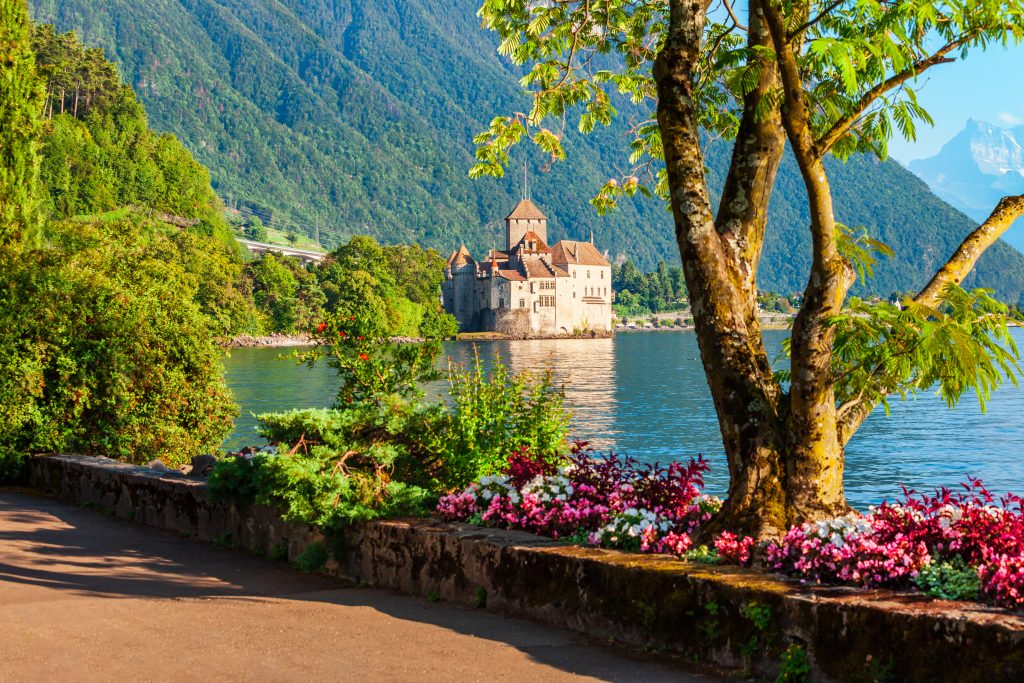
(104, 351)
(20, 105)
(829, 77)
(255, 229)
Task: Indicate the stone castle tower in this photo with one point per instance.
(526, 217)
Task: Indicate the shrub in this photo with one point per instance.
(952, 580)
(950, 544)
(105, 353)
(602, 500)
(495, 415)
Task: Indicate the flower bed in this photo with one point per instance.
(611, 501)
(954, 545)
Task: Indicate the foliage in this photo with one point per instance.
(20, 97)
(952, 580)
(101, 163)
(313, 558)
(794, 666)
(496, 413)
(285, 292)
(106, 352)
(643, 293)
(101, 154)
(392, 290)
(962, 345)
(255, 230)
(601, 500)
(379, 451)
(317, 487)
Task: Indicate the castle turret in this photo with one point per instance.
(526, 217)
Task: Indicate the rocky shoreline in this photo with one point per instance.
(246, 341)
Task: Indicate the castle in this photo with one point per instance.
(530, 289)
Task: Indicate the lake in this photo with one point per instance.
(644, 393)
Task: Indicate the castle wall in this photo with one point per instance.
(516, 229)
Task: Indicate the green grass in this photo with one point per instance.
(279, 237)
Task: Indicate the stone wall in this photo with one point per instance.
(725, 615)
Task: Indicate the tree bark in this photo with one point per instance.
(815, 460)
(719, 263)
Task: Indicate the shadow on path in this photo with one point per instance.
(51, 550)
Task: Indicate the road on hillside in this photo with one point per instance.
(86, 597)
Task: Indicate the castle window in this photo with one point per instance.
(588, 274)
(602, 274)
(522, 303)
(547, 301)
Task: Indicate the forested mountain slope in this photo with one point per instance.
(362, 112)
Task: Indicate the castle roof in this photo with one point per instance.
(460, 257)
(541, 269)
(573, 253)
(526, 211)
(510, 275)
(531, 236)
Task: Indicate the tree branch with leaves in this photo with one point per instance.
(832, 78)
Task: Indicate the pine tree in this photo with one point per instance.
(20, 104)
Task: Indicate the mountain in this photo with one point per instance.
(980, 165)
(360, 114)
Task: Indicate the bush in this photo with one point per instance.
(495, 415)
(362, 459)
(104, 352)
(948, 544)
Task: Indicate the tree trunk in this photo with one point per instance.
(785, 450)
(722, 282)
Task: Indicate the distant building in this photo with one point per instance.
(530, 289)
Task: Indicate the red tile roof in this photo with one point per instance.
(570, 252)
(460, 257)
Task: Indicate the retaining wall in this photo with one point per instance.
(725, 615)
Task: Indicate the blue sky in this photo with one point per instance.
(986, 86)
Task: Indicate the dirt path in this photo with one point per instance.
(85, 597)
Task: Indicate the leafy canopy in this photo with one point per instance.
(859, 64)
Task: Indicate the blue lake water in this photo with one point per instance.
(644, 393)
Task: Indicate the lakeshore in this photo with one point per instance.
(644, 393)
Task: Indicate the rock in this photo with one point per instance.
(202, 465)
(157, 465)
(268, 450)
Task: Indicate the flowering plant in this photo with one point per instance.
(610, 500)
(936, 541)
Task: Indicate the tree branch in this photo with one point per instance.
(844, 124)
(970, 250)
(811, 22)
(953, 272)
(728, 8)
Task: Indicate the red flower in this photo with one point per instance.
(341, 333)
(359, 338)
(363, 356)
(321, 327)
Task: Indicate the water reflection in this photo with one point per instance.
(645, 393)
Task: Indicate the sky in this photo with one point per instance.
(986, 86)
